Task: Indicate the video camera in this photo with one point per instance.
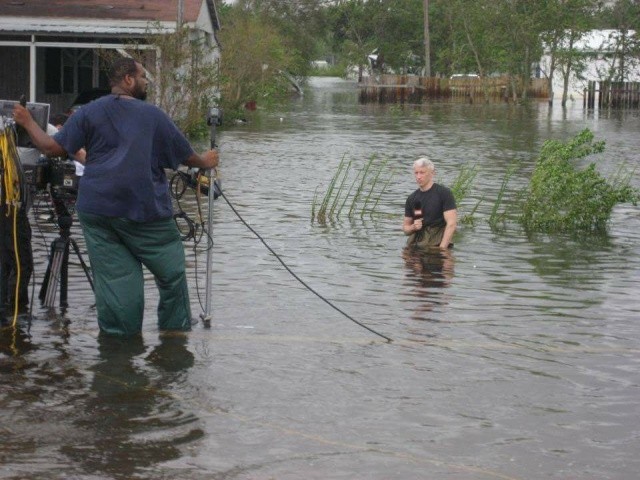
(52, 178)
(56, 173)
(40, 172)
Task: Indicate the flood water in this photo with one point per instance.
(513, 357)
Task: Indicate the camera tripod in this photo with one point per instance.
(57, 274)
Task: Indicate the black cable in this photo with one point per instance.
(195, 232)
(179, 185)
(296, 276)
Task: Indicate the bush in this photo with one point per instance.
(561, 198)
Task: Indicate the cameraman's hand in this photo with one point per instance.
(39, 137)
(21, 115)
(211, 158)
(208, 159)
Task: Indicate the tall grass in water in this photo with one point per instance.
(328, 196)
(366, 187)
(460, 188)
(362, 195)
(495, 216)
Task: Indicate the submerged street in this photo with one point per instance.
(514, 357)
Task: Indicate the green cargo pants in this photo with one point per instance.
(427, 237)
(118, 248)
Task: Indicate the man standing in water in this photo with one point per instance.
(430, 215)
(123, 203)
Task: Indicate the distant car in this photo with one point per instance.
(85, 97)
(462, 82)
(463, 76)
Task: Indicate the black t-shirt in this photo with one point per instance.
(433, 203)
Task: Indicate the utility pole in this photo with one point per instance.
(427, 41)
(180, 18)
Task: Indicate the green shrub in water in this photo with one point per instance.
(562, 198)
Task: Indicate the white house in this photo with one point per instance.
(600, 47)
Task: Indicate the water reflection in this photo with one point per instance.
(429, 272)
(130, 416)
(15, 341)
(570, 261)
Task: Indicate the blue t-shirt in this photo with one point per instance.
(129, 143)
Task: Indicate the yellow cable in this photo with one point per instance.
(18, 272)
(11, 179)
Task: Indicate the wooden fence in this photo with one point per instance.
(619, 95)
(414, 89)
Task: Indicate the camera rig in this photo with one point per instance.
(56, 174)
(54, 179)
(26, 173)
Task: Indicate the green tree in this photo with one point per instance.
(392, 28)
(569, 20)
(301, 25)
(400, 33)
(624, 17)
(519, 24)
(489, 37)
(353, 36)
(186, 81)
(253, 59)
(468, 42)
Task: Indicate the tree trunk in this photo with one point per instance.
(427, 41)
(566, 73)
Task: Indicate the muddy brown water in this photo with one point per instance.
(514, 357)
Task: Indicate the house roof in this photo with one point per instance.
(80, 16)
(160, 10)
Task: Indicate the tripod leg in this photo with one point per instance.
(54, 280)
(45, 282)
(64, 275)
(55, 269)
(82, 263)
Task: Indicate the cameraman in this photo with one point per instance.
(9, 238)
(16, 259)
(123, 203)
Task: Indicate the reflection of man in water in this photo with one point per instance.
(431, 272)
(432, 269)
(132, 421)
(430, 215)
